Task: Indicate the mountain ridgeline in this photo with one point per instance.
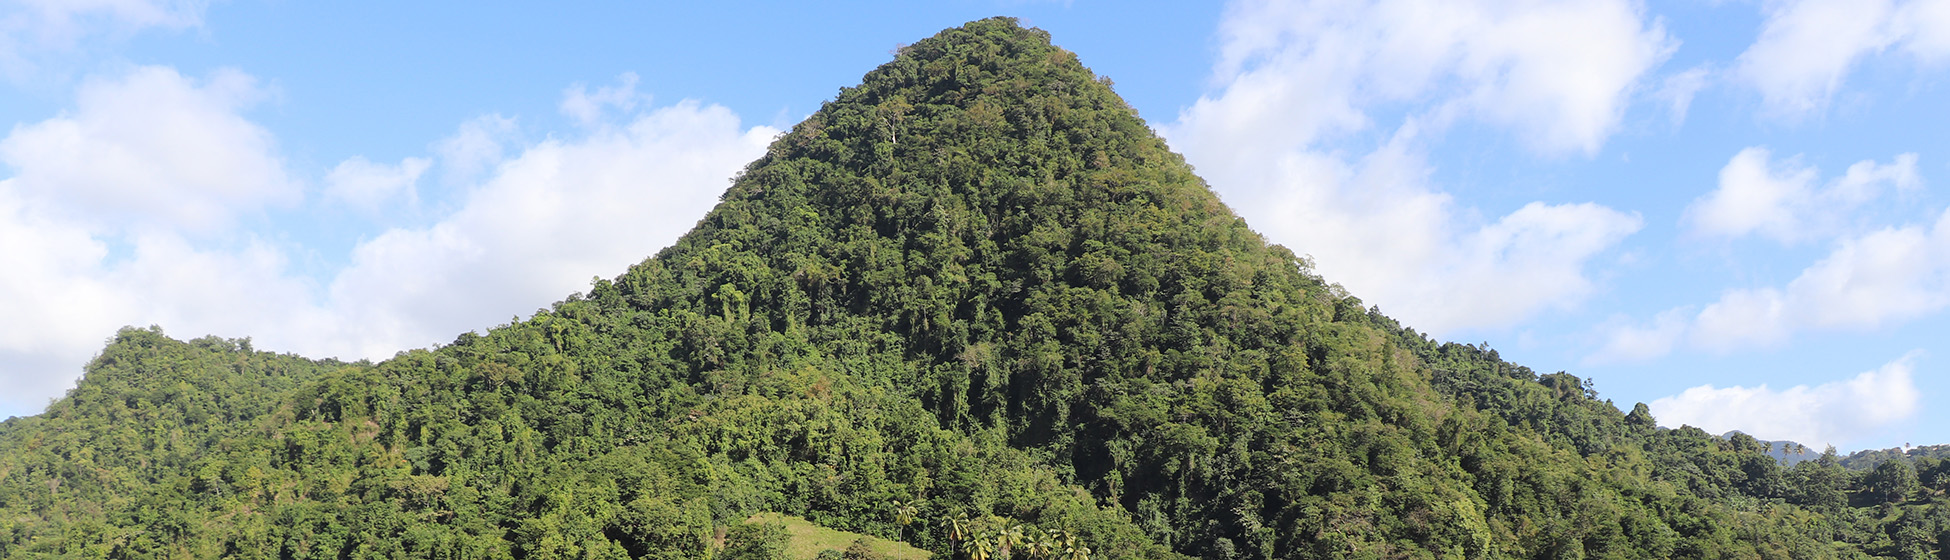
(973, 304)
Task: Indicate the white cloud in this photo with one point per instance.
(29, 28)
(153, 149)
(1836, 413)
(243, 290)
(588, 108)
(49, 288)
(1528, 260)
(1678, 91)
(63, 293)
(1926, 25)
(1378, 228)
(1807, 48)
(546, 222)
(1298, 79)
(1868, 281)
(1865, 179)
(539, 226)
(1779, 200)
(1741, 318)
(1627, 342)
(66, 19)
(368, 186)
(479, 144)
(93, 224)
(1558, 73)
(1889, 275)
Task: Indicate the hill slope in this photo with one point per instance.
(973, 304)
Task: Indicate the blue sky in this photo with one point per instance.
(1729, 210)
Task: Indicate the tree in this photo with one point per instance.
(1027, 310)
(1040, 544)
(980, 548)
(860, 550)
(1007, 539)
(1892, 481)
(1933, 474)
(1640, 418)
(756, 541)
(1820, 483)
(957, 530)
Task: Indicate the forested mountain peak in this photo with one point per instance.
(973, 304)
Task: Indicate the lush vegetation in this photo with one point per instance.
(973, 305)
(804, 540)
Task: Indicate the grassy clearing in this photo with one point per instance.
(808, 539)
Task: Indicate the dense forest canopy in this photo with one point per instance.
(974, 305)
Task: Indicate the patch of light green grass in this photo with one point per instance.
(809, 538)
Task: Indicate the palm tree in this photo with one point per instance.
(1038, 544)
(904, 514)
(1070, 547)
(957, 530)
(1007, 539)
(981, 548)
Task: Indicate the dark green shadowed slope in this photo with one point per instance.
(973, 304)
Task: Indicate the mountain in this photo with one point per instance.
(973, 304)
(1787, 452)
(1868, 459)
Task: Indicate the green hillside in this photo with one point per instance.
(807, 541)
(973, 304)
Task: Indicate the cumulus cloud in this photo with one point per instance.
(480, 143)
(67, 19)
(153, 149)
(1925, 26)
(32, 27)
(1629, 342)
(1807, 48)
(1886, 276)
(1559, 73)
(1378, 227)
(98, 221)
(1868, 281)
(1781, 200)
(49, 289)
(541, 221)
(1837, 413)
(64, 291)
(1678, 90)
(1298, 82)
(1743, 318)
(548, 220)
(588, 108)
(368, 186)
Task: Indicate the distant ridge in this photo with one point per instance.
(1868, 458)
(1787, 452)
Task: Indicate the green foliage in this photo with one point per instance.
(1891, 482)
(756, 541)
(972, 304)
(804, 540)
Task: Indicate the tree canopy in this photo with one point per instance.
(973, 304)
